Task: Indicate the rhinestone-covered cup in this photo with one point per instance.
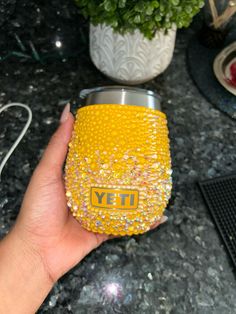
(118, 169)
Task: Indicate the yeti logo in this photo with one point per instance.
(114, 198)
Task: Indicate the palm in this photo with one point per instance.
(59, 238)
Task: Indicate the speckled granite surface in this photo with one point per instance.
(182, 266)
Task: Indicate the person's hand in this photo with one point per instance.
(50, 237)
(45, 223)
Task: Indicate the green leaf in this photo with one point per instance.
(146, 15)
(155, 4)
(137, 19)
(157, 18)
(188, 9)
(139, 6)
(149, 10)
(121, 3)
(175, 2)
(109, 5)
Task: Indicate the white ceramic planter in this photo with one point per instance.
(130, 58)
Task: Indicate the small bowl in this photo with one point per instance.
(225, 68)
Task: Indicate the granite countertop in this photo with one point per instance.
(182, 266)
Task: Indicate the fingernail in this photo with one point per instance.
(65, 113)
(163, 219)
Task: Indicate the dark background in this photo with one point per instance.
(182, 266)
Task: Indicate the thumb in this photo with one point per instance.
(55, 153)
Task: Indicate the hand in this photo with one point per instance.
(45, 231)
(45, 224)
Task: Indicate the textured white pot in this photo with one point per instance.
(130, 58)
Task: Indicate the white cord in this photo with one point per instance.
(11, 150)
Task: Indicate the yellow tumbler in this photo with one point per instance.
(118, 168)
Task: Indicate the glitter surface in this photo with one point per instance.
(118, 148)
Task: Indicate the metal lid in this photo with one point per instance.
(123, 95)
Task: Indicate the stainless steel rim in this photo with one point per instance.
(123, 95)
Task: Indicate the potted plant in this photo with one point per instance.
(132, 41)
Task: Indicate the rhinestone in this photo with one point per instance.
(140, 160)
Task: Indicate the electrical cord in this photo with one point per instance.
(22, 134)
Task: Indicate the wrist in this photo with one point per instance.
(24, 280)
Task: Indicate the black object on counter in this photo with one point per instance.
(200, 65)
(212, 38)
(220, 196)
